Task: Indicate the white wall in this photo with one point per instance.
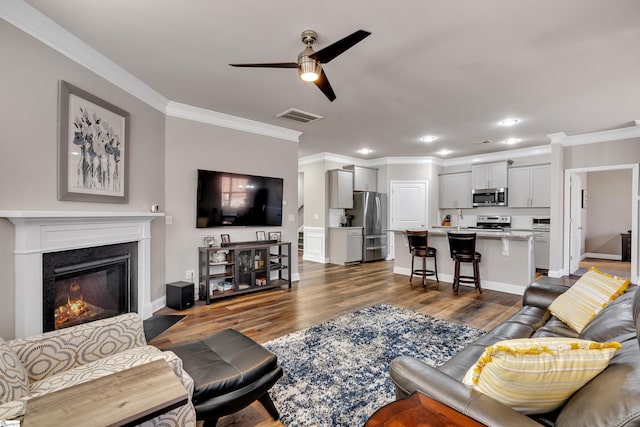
(28, 149)
(193, 145)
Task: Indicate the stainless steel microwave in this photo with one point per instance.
(489, 197)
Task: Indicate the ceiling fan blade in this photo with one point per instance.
(323, 84)
(328, 53)
(269, 65)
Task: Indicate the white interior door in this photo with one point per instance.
(409, 205)
(575, 223)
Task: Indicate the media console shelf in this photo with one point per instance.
(242, 268)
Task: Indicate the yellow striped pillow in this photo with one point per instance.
(537, 375)
(587, 297)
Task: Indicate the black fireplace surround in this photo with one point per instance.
(105, 276)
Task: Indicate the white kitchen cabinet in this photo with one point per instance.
(345, 245)
(490, 175)
(455, 191)
(364, 179)
(541, 249)
(529, 187)
(340, 189)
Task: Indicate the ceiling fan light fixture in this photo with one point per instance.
(309, 69)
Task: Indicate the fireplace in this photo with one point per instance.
(42, 232)
(87, 284)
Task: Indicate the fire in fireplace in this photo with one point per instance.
(83, 285)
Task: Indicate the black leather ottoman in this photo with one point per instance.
(230, 371)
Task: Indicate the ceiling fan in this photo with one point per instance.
(309, 62)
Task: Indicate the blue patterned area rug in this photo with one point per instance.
(337, 373)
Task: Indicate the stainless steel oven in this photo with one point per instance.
(489, 197)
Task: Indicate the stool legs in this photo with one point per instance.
(476, 274)
(435, 267)
(457, 278)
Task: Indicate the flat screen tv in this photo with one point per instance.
(227, 199)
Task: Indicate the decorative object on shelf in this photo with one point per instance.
(224, 238)
(209, 241)
(220, 256)
(260, 236)
(275, 235)
(92, 148)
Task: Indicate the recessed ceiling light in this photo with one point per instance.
(444, 152)
(365, 151)
(510, 141)
(508, 122)
(428, 138)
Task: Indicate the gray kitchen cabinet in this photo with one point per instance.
(529, 187)
(490, 175)
(364, 179)
(455, 191)
(345, 245)
(340, 189)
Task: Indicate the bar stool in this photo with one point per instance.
(418, 246)
(463, 249)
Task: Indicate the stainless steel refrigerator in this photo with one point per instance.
(370, 212)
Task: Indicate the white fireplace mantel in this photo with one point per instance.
(39, 232)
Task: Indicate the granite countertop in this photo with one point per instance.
(347, 228)
(515, 234)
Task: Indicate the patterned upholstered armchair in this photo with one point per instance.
(40, 364)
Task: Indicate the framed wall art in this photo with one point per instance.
(92, 148)
(260, 236)
(275, 235)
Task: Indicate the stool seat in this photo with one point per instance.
(230, 371)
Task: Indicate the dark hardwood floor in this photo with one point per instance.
(326, 291)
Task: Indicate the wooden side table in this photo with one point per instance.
(419, 410)
(125, 398)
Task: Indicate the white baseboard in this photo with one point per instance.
(614, 257)
(555, 273)
(315, 258)
(157, 305)
(486, 284)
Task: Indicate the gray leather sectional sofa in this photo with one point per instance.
(612, 398)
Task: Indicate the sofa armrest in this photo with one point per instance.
(57, 351)
(542, 294)
(410, 374)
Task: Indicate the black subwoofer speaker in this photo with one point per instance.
(179, 295)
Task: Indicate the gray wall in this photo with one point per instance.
(608, 210)
(191, 146)
(29, 100)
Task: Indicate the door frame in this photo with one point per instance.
(635, 199)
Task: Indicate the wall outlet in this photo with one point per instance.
(190, 274)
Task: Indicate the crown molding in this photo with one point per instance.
(500, 155)
(28, 19)
(31, 21)
(405, 160)
(628, 132)
(189, 112)
(330, 157)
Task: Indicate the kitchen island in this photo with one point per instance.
(507, 258)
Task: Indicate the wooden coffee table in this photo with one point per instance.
(419, 410)
(125, 398)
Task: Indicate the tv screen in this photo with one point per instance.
(231, 199)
